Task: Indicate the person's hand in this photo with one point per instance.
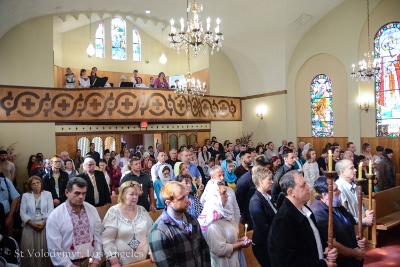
(360, 254)
(331, 255)
(201, 187)
(152, 208)
(56, 202)
(361, 242)
(245, 242)
(369, 217)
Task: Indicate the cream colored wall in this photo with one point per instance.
(386, 11)
(28, 49)
(332, 67)
(224, 130)
(75, 42)
(337, 34)
(223, 77)
(31, 138)
(273, 125)
(57, 47)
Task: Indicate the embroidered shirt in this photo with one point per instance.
(80, 224)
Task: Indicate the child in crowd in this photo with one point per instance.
(322, 161)
(163, 177)
(207, 169)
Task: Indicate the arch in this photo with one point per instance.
(182, 140)
(100, 40)
(83, 145)
(192, 138)
(118, 38)
(173, 141)
(321, 106)
(98, 145)
(387, 90)
(109, 143)
(136, 46)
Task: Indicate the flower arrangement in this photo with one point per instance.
(245, 138)
(11, 151)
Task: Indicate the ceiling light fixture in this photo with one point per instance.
(90, 49)
(194, 35)
(369, 70)
(147, 11)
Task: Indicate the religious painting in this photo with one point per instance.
(118, 38)
(387, 92)
(321, 106)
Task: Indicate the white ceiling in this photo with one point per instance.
(256, 32)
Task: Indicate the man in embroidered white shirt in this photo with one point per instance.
(73, 229)
(347, 173)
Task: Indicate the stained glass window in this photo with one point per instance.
(137, 51)
(321, 106)
(387, 92)
(100, 40)
(118, 38)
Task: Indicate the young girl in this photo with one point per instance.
(311, 170)
(84, 81)
(195, 207)
(230, 177)
(69, 79)
(207, 169)
(163, 177)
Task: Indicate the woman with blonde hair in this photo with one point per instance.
(126, 227)
(366, 151)
(36, 206)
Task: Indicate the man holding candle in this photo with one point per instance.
(349, 200)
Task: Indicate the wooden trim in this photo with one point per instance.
(283, 92)
(132, 132)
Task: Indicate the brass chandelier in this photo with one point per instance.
(369, 70)
(193, 35)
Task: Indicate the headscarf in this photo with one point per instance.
(161, 176)
(213, 209)
(229, 177)
(176, 168)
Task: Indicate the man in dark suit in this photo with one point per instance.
(94, 154)
(294, 239)
(39, 170)
(55, 181)
(98, 193)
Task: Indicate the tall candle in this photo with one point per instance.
(370, 167)
(245, 229)
(330, 161)
(360, 171)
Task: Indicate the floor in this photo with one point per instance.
(388, 251)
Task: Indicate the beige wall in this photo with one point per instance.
(223, 77)
(26, 54)
(331, 66)
(224, 130)
(273, 125)
(31, 138)
(57, 47)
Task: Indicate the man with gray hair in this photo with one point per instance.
(217, 174)
(173, 157)
(64, 155)
(348, 155)
(98, 193)
(73, 229)
(349, 199)
(294, 239)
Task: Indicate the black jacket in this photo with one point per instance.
(102, 188)
(245, 189)
(49, 184)
(276, 188)
(291, 241)
(262, 215)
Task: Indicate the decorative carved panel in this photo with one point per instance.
(105, 104)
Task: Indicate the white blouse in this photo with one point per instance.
(124, 238)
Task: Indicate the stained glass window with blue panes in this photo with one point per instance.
(321, 106)
(118, 38)
(100, 40)
(137, 51)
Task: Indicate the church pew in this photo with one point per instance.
(386, 205)
(114, 200)
(102, 211)
(145, 263)
(155, 215)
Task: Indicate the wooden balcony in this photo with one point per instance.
(33, 104)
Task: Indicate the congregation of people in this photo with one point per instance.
(85, 81)
(205, 193)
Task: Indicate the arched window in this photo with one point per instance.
(321, 106)
(100, 40)
(83, 145)
(98, 145)
(387, 92)
(137, 49)
(118, 38)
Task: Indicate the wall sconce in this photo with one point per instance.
(260, 115)
(261, 111)
(364, 106)
(146, 60)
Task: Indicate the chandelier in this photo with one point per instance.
(369, 70)
(190, 85)
(163, 59)
(90, 49)
(194, 35)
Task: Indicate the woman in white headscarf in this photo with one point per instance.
(219, 228)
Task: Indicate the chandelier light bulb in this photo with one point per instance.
(172, 22)
(163, 58)
(90, 49)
